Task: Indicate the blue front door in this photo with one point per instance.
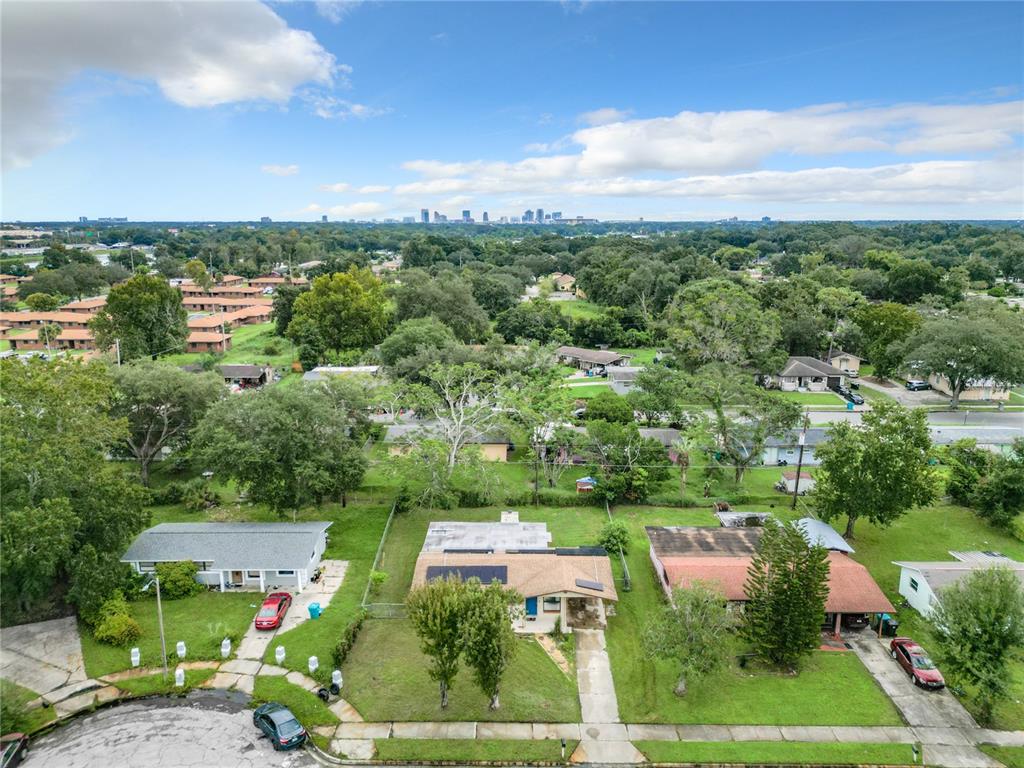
(531, 606)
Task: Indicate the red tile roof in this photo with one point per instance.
(727, 574)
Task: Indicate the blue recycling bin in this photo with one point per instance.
(314, 610)
(849, 405)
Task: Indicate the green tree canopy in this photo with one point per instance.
(145, 316)
(342, 311)
(884, 327)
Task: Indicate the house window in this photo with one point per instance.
(147, 566)
(913, 584)
(286, 573)
(252, 574)
(552, 605)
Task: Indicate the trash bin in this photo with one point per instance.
(314, 610)
(889, 625)
(849, 405)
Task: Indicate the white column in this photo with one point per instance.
(299, 577)
(563, 618)
(221, 575)
(263, 587)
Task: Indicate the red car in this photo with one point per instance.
(273, 610)
(915, 662)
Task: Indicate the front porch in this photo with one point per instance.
(568, 611)
(255, 580)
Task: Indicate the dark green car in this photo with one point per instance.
(279, 725)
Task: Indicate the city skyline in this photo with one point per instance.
(632, 111)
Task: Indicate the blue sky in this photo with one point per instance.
(615, 110)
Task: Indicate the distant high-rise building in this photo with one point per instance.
(324, 218)
(556, 215)
(485, 217)
(425, 215)
(766, 219)
(540, 215)
(466, 216)
(515, 219)
(437, 217)
(264, 219)
(83, 219)
(408, 219)
(527, 216)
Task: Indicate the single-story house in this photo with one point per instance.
(786, 447)
(33, 319)
(569, 586)
(994, 439)
(921, 583)
(230, 280)
(502, 536)
(788, 483)
(206, 322)
(493, 446)
(564, 282)
(845, 362)
(978, 389)
(722, 557)
(245, 555)
(623, 378)
(805, 373)
(246, 376)
(322, 372)
(222, 303)
(86, 306)
(586, 359)
(208, 341)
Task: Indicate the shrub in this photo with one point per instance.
(178, 580)
(171, 493)
(197, 495)
(403, 501)
(347, 640)
(377, 579)
(272, 348)
(474, 497)
(116, 626)
(614, 535)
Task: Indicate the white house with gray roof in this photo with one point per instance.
(235, 555)
(921, 583)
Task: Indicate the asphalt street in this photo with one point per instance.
(202, 730)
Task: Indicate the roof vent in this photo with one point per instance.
(510, 516)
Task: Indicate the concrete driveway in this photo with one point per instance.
(43, 656)
(255, 643)
(902, 395)
(202, 730)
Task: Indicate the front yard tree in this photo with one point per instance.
(283, 446)
(144, 315)
(436, 611)
(787, 584)
(195, 270)
(878, 470)
(885, 326)
(626, 462)
(42, 302)
(974, 342)
(979, 624)
(161, 403)
(489, 642)
(690, 632)
(342, 311)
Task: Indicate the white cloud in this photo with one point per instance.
(362, 209)
(374, 189)
(604, 116)
(336, 10)
(332, 108)
(198, 54)
(341, 186)
(280, 170)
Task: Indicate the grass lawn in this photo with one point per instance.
(737, 696)
(248, 345)
(305, 705)
(768, 752)
(354, 537)
(814, 398)
(202, 621)
(639, 355)
(587, 391)
(548, 751)
(16, 717)
(1016, 397)
(155, 685)
(386, 679)
(579, 308)
(1011, 757)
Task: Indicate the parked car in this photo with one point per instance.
(916, 663)
(854, 385)
(916, 385)
(14, 746)
(272, 612)
(279, 725)
(854, 398)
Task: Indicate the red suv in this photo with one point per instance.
(915, 662)
(273, 610)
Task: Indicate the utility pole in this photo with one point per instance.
(160, 617)
(117, 346)
(800, 461)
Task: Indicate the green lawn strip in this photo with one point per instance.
(305, 705)
(737, 696)
(771, 752)
(587, 391)
(579, 308)
(202, 621)
(153, 685)
(16, 715)
(386, 679)
(1011, 757)
(813, 398)
(473, 750)
(639, 356)
(354, 537)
